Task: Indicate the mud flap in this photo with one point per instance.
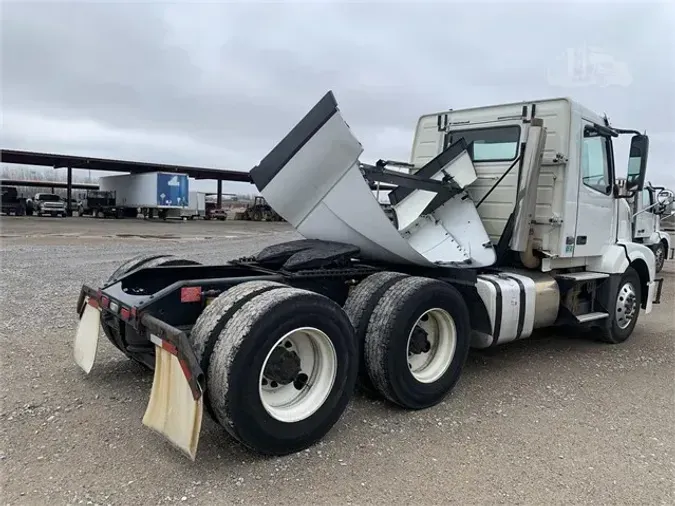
(86, 338)
(172, 410)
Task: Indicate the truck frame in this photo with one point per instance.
(273, 345)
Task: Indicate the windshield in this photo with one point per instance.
(49, 197)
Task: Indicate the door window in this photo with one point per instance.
(594, 164)
(646, 198)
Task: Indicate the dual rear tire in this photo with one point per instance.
(280, 365)
(414, 334)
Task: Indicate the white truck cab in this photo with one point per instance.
(650, 207)
(523, 193)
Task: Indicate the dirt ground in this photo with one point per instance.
(555, 419)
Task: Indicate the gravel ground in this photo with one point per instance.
(550, 420)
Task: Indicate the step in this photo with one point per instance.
(582, 276)
(591, 317)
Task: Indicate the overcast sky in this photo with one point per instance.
(219, 83)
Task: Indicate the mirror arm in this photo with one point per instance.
(627, 131)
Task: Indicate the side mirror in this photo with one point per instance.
(637, 162)
(664, 199)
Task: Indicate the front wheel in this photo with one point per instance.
(624, 309)
(659, 256)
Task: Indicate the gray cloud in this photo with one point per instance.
(220, 84)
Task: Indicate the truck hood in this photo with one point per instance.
(313, 178)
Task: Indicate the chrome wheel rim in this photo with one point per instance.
(626, 305)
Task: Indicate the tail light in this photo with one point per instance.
(124, 313)
(191, 294)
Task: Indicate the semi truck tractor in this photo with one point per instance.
(650, 207)
(486, 240)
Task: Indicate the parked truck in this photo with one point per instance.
(12, 202)
(196, 207)
(491, 241)
(148, 193)
(50, 204)
(650, 206)
(100, 204)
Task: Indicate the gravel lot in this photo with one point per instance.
(550, 420)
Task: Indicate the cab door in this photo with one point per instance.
(596, 226)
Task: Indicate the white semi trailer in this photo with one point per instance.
(149, 192)
(509, 221)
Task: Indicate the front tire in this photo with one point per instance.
(624, 309)
(283, 370)
(417, 342)
(659, 256)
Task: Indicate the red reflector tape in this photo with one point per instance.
(92, 302)
(104, 301)
(191, 294)
(170, 348)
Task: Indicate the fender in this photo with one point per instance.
(619, 256)
(665, 236)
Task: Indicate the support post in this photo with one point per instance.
(219, 196)
(69, 192)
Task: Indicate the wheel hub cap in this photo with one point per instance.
(626, 305)
(419, 342)
(431, 345)
(283, 366)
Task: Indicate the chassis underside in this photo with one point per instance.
(165, 301)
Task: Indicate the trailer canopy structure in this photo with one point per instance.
(34, 183)
(70, 162)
